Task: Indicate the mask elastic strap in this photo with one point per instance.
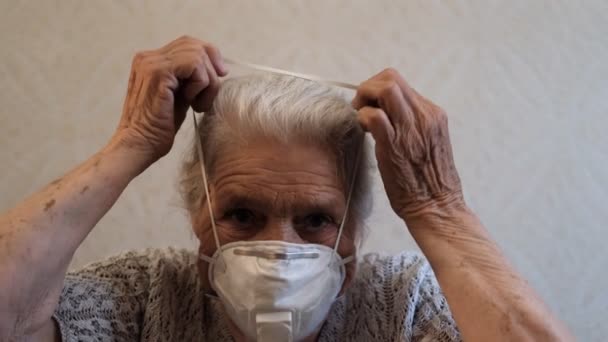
(350, 193)
(206, 258)
(201, 159)
(290, 73)
(348, 259)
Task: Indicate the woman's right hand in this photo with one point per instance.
(163, 84)
(39, 236)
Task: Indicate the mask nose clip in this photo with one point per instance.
(276, 255)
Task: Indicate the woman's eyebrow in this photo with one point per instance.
(329, 206)
(236, 200)
(302, 204)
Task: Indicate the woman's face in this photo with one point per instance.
(272, 191)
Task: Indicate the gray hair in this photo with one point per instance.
(286, 109)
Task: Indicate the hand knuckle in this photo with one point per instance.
(210, 47)
(391, 73)
(193, 59)
(442, 116)
(138, 57)
(391, 89)
(156, 70)
(438, 122)
(438, 113)
(375, 116)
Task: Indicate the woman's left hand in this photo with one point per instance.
(412, 146)
(484, 292)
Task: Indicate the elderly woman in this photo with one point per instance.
(277, 200)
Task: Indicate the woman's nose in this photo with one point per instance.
(279, 230)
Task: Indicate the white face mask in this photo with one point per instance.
(275, 290)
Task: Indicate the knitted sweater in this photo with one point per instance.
(156, 295)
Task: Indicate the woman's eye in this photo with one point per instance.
(241, 216)
(317, 221)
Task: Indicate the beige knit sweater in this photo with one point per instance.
(156, 295)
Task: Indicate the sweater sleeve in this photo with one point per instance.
(397, 298)
(432, 317)
(104, 301)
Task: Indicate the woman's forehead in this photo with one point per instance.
(267, 198)
(278, 175)
(288, 162)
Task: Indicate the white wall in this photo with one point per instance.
(525, 84)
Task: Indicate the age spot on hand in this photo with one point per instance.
(49, 204)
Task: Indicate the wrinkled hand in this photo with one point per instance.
(412, 146)
(163, 84)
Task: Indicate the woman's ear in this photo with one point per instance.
(351, 271)
(199, 220)
(349, 246)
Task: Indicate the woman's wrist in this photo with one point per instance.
(448, 233)
(450, 208)
(132, 158)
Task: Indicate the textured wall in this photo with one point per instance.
(525, 84)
